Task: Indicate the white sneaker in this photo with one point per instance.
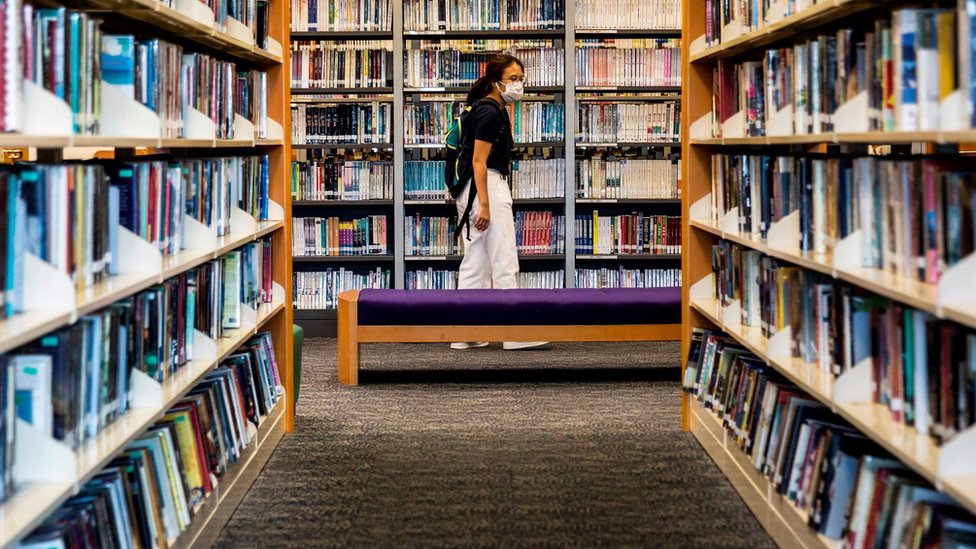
(519, 345)
(465, 346)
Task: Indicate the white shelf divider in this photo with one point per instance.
(275, 130)
(136, 255)
(955, 289)
(243, 130)
(735, 126)
(204, 348)
(701, 128)
(239, 31)
(701, 210)
(46, 288)
(704, 288)
(852, 116)
(197, 11)
(123, 116)
(730, 221)
(785, 234)
(197, 236)
(848, 252)
(855, 385)
(781, 122)
(956, 455)
(242, 222)
(145, 392)
(197, 125)
(273, 47)
(949, 112)
(45, 114)
(39, 457)
(778, 345)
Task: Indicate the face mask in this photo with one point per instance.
(512, 92)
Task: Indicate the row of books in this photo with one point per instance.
(628, 62)
(343, 123)
(332, 236)
(72, 383)
(461, 62)
(540, 232)
(628, 177)
(922, 369)
(428, 235)
(605, 122)
(424, 180)
(42, 208)
(628, 14)
(906, 73)
(149, 494)
(432, 15)
(635, 233)
(349, 64)
(66, 53)
(316, 290)
(532, 121)
(338, 178)
(850, 489)
(915, 216)
(726, 20)
(628, 278)
(537, 178)
(341, 15)
(433, 279)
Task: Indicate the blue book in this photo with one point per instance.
(119, 62)
(114, 198)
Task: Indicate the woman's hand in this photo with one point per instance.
(484, 217)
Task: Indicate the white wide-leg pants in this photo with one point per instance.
(490, 257)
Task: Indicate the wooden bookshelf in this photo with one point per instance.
(31, 503)
(845, 395)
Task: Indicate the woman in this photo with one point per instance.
(490, 254)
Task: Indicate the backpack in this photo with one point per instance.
(459, 149)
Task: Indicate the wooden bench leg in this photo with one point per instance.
(348, 338)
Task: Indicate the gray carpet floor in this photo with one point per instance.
(575, 446)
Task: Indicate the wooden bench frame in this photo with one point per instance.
(352, 335)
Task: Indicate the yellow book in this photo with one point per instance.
(945, 34)
(187, 441)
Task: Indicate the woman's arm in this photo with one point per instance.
(479, 164)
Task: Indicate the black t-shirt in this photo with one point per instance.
(491, 124)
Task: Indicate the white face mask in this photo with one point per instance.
(512, 92)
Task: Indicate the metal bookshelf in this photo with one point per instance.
(566, 150)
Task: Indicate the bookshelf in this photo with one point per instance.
(55, 473)
(564, 151)
(937, 460)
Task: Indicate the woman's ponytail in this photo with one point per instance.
(493, 73)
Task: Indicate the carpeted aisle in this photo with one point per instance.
(529, 450)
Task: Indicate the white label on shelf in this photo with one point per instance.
(45, 114)
(145, 391)
(852, 116)
(855, 385)
(136, 255)
(38, 457)
(45, 287)
(123, 116)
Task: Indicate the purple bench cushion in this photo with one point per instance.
(519, 307)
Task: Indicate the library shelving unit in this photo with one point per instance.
(949, 467)
(52, 472)
(566, 150)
